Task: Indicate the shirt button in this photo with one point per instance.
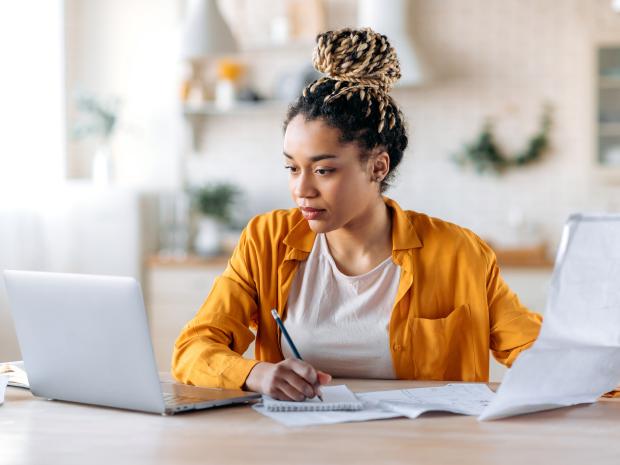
(397, 347)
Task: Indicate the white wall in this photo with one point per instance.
(129, 49)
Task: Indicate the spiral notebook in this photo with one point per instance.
(334, 398)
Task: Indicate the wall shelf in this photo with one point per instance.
(239, 108)
(197, 114)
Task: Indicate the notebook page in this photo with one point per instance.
(334, 398)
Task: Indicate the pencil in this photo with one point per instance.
(280, 323)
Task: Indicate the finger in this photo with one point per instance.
(305, 370)
(299, 384)
(278, 394)
(291, 392)
(324, 378)
(309, 374)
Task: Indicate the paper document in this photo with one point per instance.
(16, 373)
(3, 381)
(465, 399)
(576, 358)
(334, 398)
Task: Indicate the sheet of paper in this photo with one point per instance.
(3, 382)
(584, 297)
(465, 399)
(547, 378)
(577, 355)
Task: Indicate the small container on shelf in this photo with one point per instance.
(228, 74)
(193, 91)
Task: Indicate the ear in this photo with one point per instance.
(379, 166)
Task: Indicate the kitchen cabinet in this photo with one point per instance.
(608, 110)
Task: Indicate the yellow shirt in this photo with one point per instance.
(452, 306)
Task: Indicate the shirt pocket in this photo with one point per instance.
(443, 347)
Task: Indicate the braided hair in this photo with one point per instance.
(360, 68)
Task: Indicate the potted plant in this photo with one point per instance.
(212, 204)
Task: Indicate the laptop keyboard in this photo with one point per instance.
(175, 399)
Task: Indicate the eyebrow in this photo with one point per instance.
(315, 158)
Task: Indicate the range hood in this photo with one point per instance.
(391, 18)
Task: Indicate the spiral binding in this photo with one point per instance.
(301, 407)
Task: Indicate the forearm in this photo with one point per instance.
(514, 332)
(202, 362)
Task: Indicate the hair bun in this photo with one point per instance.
(360, 56)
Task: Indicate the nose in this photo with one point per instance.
(303, 185)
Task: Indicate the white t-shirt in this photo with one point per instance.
(340, 323)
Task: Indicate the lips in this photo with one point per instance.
(311, 213)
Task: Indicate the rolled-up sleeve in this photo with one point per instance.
(208, 350)
(513, 328)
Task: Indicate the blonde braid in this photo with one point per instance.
(361, 62)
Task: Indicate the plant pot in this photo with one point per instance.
(208, 236)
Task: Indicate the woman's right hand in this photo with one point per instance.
(289, 379)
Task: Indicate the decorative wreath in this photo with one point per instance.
(484, 154)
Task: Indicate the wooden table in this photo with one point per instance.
(36, 431)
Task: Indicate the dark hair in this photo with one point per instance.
(361, 66)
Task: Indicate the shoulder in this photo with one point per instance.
(437, 234)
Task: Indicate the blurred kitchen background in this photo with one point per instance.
(138, 136)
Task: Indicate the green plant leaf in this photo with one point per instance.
(215, 200)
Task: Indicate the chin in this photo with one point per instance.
(320, 227)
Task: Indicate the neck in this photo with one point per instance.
(370, 234)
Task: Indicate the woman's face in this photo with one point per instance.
(327, 181)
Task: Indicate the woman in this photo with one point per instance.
(366, 289)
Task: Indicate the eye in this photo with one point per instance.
(324, 171)
(290, 169)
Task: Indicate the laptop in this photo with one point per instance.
(85, 338)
